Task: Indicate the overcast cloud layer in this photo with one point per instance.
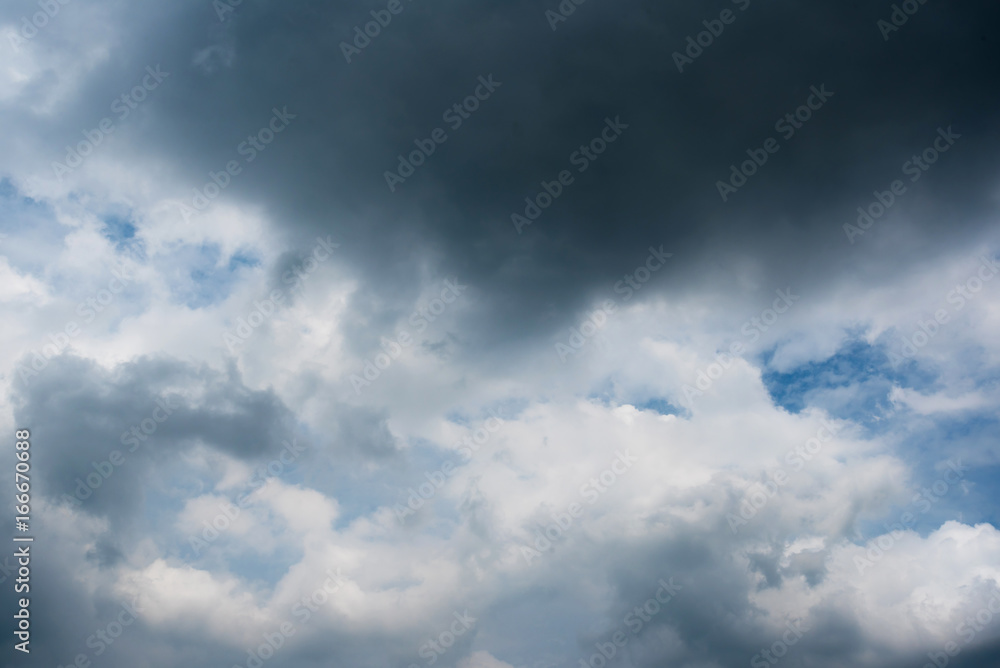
(504, 335)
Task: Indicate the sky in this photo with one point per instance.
(514, 334)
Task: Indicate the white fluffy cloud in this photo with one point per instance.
(800, 434)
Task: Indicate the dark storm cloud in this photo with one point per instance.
(655, 184)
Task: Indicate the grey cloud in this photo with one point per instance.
(148, 410)
(655, 185)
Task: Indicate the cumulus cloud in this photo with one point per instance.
(283, 414)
